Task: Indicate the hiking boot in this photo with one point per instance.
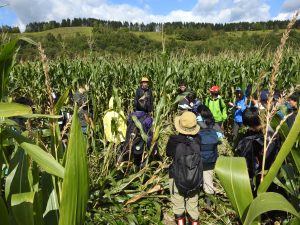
(180, 219)
(191, 221)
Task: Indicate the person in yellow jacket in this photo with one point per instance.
(114, 124)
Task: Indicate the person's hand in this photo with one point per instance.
(231, 104)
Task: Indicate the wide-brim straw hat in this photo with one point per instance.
(144, 79)
(186, 123)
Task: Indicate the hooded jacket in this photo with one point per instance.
(217, 108)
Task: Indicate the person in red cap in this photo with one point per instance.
(216, 105)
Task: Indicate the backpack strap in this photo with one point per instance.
(173, 186)
(220, 105)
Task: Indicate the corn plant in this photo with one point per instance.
(38, 188)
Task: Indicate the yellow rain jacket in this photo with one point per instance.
(114, 124)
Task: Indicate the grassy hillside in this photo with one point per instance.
(63, 31)
(74, 41)
(66, 32)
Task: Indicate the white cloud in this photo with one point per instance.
(215, 11)
(283, 16)
(205, 5)
(232, 10)
(291, 6)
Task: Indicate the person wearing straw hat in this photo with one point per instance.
(143, 96)
(185, 144)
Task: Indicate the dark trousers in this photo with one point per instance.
(236, 127)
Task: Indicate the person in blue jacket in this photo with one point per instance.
(239, 107)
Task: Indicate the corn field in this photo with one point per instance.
(43, 182)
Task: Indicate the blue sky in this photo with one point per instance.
(21, 12)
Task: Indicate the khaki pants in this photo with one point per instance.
(181, 204)
(208, 185)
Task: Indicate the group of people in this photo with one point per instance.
(199, 131)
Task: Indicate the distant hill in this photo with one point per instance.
(77, 40)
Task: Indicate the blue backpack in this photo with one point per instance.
(209, 145)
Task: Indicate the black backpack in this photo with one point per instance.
(209, 145)
(187, 167)
(250, 147)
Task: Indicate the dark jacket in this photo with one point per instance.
(291, 119)
(143, 100)
(173, 141)
(82, 101)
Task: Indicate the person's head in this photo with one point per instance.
(25, 101)
(186, 124)
(215, 91)
(251, 117)
(276, 96)
(293, 100)
(82, 86)
(191, 96)
(238, 92)
(206, 114)
(182, 86)
(145, 83)
(264, 95)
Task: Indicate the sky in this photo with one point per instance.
(21, 12)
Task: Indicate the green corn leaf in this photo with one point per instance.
(283, 130)
(13, 109)
(283, 153)
(140, 127)
(7, 53)
(75, 185)
(3, 212)
(22, 208)
(28, 40)
(266, 202)
(296, 156)
(30, 116)
(42, 158)
(50, 200)
(17, 180)
(61, 101)
(233, 175)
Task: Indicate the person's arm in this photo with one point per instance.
(170, 149)
(136, 99)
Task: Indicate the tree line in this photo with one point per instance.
(169, 27)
